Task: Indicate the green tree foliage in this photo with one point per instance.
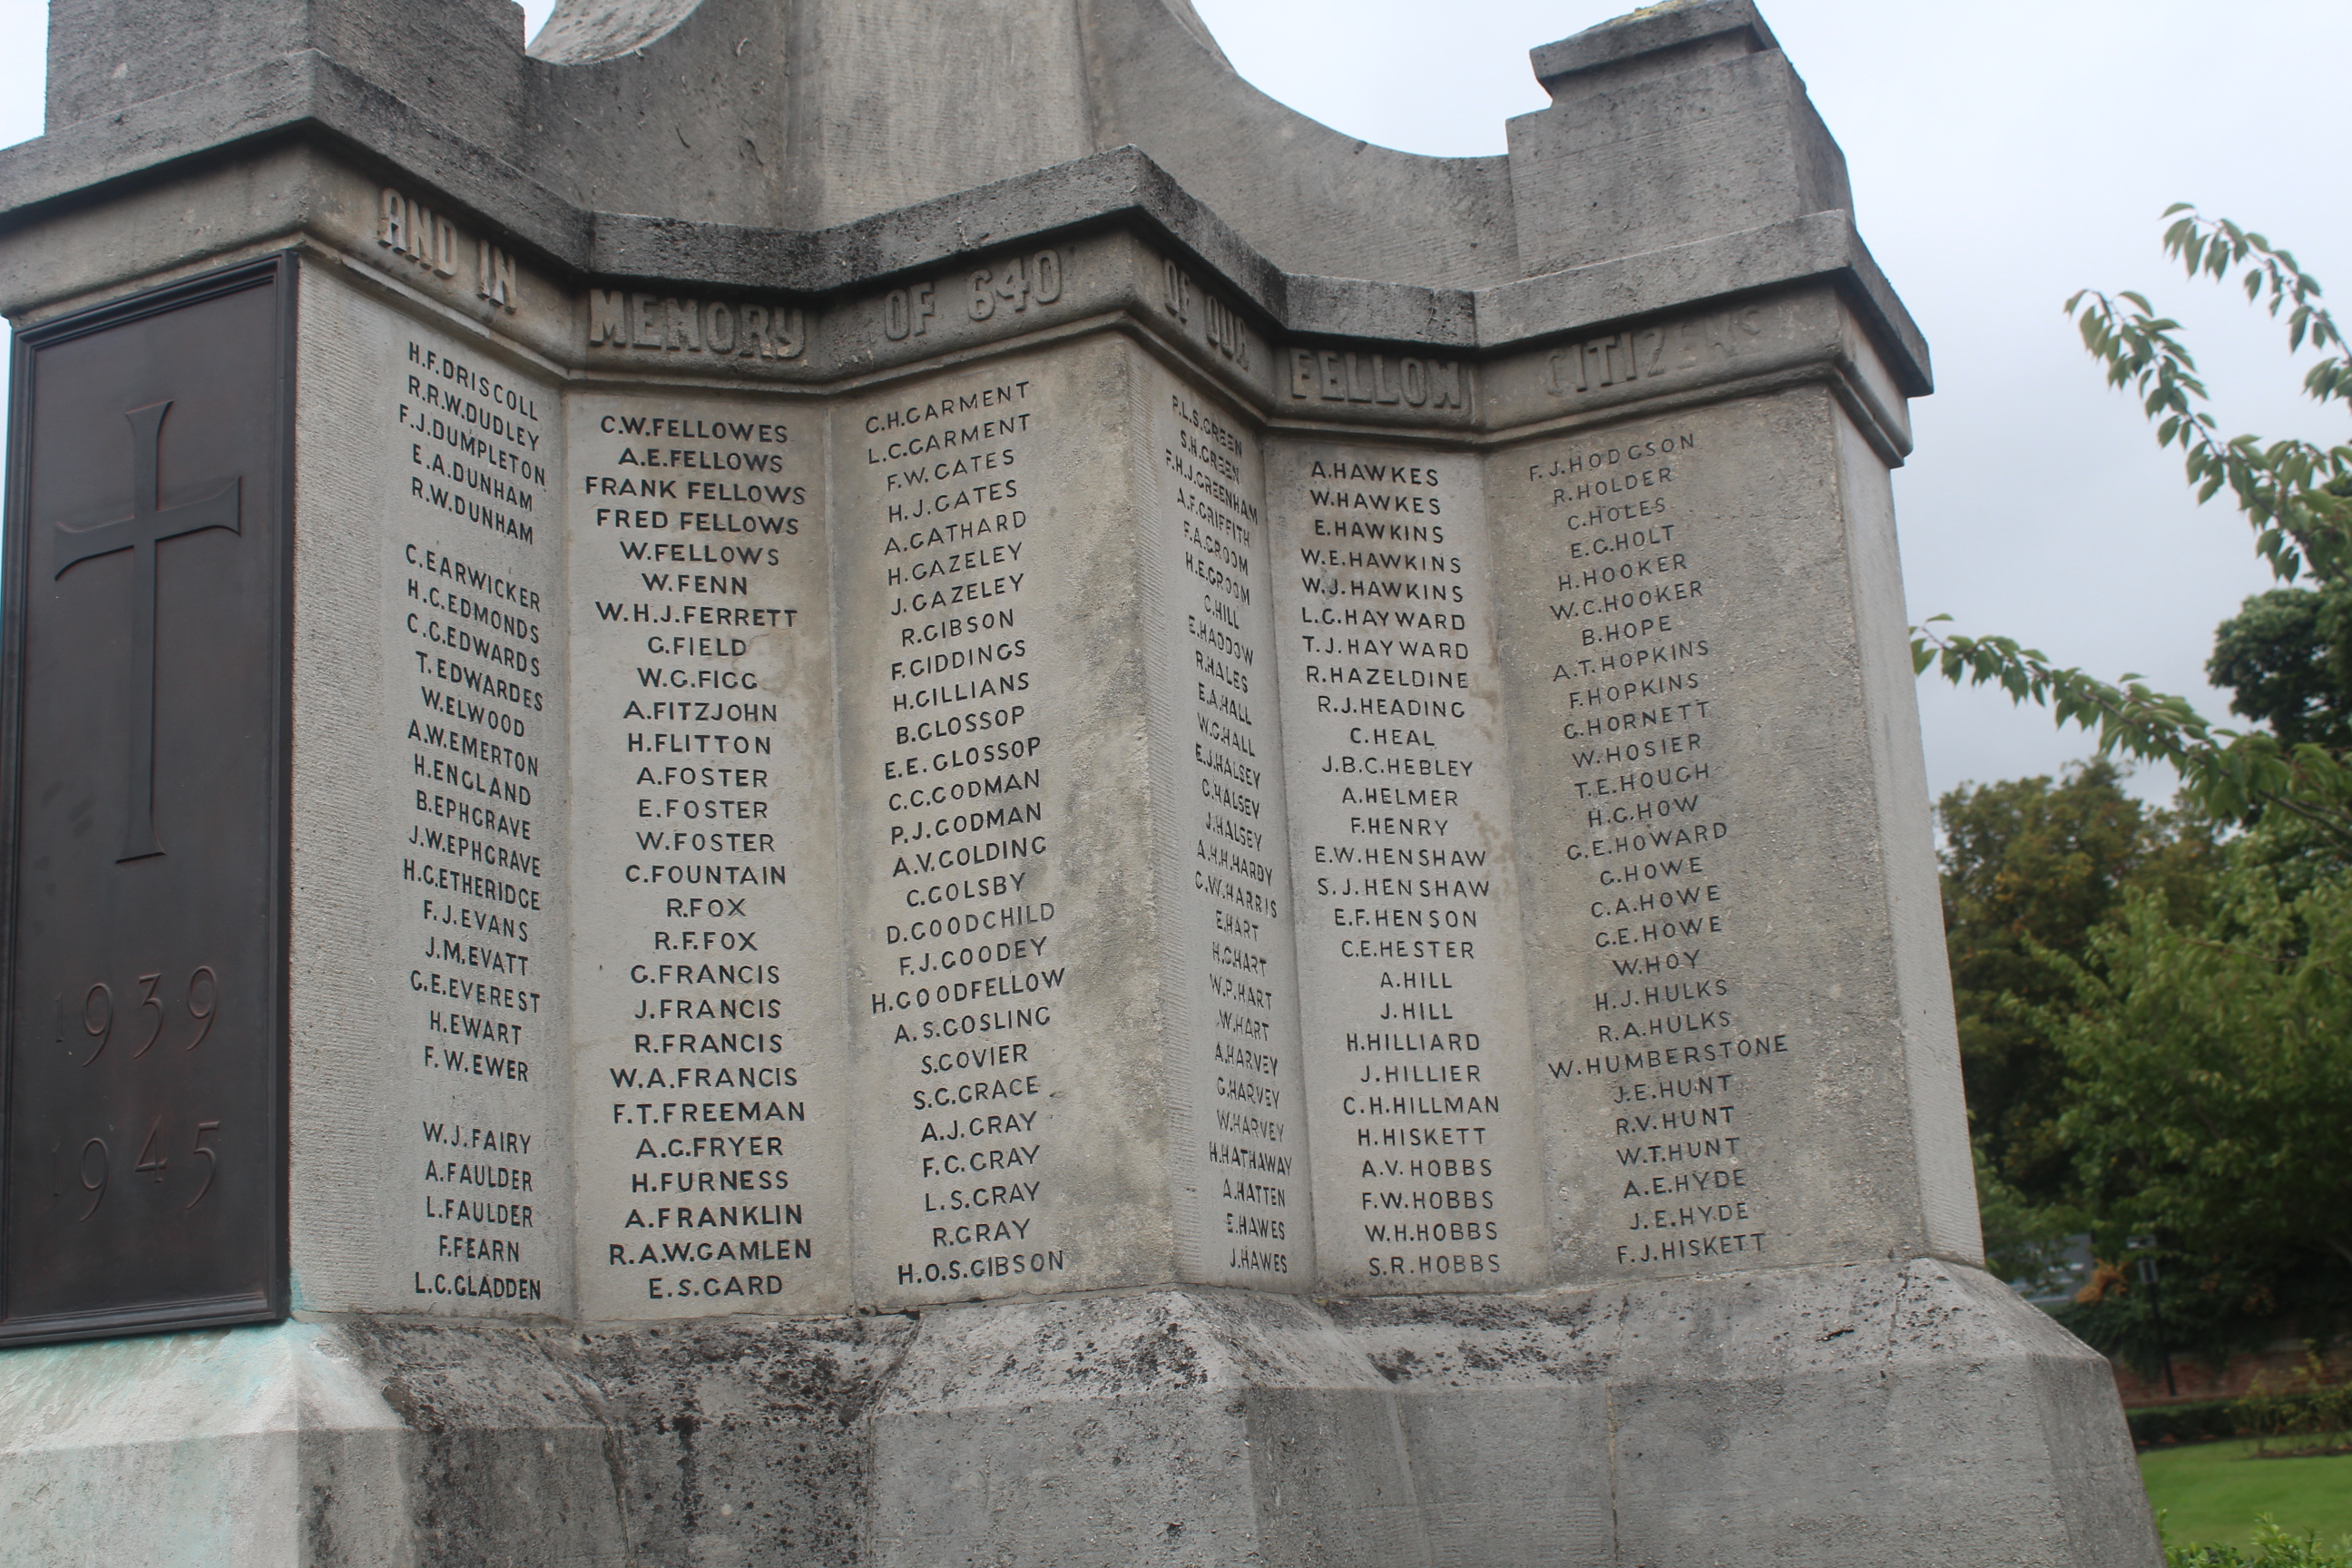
(2273, 1548)
(2286, 659)
(2032, 868)
(2296, 496)
(2209, 1068)
(2206, 1080)
(2157, 1026)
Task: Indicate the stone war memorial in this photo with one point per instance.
(857, 783)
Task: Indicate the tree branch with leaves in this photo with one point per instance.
(2295, 494)
(2194, 1072)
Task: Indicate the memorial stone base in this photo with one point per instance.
(1853, 1415)
(887, 785)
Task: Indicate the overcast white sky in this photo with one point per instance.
(2004, 153)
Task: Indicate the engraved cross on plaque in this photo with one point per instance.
(147, 527)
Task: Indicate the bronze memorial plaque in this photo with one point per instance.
(145, 690)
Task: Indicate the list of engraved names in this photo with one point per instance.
(1428, 1174)
(958, 977)
(1663, 1066)
(709, 1108)
(472, 577)
(1241, 1165)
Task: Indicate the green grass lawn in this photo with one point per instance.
(2210, 1493)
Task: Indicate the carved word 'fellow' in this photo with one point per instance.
(1337, 377)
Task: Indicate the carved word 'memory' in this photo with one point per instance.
(656, 324)
(1642, 352)
(411, 230)
(1337, 377)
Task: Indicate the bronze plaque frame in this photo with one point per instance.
(146, 703)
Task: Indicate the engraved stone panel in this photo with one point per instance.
(432, 1082)
(1238, 1125)
(1428, 1175)
(146, 710)
(711, 1077)
(995, 842)
(1711, 959)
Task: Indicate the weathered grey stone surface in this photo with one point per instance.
(1854, 1416)
(1337, 217)
(1041, 818)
